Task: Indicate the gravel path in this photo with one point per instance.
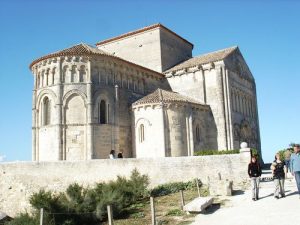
(241, 210)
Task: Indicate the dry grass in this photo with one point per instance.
(168, 211)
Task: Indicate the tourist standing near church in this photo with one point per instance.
(295, 165)
(112, 154)
(287, 159)
(254, 172)
(279, 171)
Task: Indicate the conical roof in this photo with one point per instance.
(81, 49)
(161, 95)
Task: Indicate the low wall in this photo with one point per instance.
(19, 180)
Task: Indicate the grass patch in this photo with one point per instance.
(175, 212)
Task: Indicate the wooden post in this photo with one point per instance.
(182, 199)
(41, 216)
(198, 188)
(110, 215)
(152, 211)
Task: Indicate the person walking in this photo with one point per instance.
(112, 154)
(254, 172)
(120, 155)
(295, 166)
(287, 158)
(279, 171)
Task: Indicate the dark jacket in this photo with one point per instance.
(254, 170)
(278, 172)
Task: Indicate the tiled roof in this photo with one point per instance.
(83, 49)
(203, 59)
(161, 95)
(80, 49)
(140, 31)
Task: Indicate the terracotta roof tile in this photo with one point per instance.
(83, 49)
(161, 95)
(203, 59)
(79, 49)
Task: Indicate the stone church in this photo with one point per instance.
(142, 93)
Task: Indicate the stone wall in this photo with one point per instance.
(19, 180)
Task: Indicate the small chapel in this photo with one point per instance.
(144, 94)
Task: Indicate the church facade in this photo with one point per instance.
(144, 94)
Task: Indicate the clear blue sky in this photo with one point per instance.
(267, 33)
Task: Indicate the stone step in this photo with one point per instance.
(198, 204)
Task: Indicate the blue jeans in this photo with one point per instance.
(297, 178)
(287, 163)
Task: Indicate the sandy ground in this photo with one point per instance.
(241, 210)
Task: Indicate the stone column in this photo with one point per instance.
(34, 125)
(229, 110)
(187, 130)
(204, 85)
(116, 115)
(226, 108)
(90, 133)
(191, 134)
(164, 142)
(257, 121)
(221, 114)
(59, 109)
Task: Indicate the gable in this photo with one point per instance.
(236, 63)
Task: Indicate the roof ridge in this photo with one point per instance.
(146, 28)
(204, 58)
(217, 51)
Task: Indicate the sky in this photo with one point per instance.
(267, 33)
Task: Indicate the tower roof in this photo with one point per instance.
(151, 27)
(204, 59)
(79, 49)
(83, 49)
(161, 95)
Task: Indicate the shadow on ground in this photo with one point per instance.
(211, 209)
(238, 192)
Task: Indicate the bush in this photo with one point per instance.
(170, 188)
(84, 206)
(255, 153)
(23, 219)
(216, 152)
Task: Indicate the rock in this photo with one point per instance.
(198, 204)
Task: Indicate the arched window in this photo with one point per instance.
(198, 134)
(141, 133)
(46, 111)
(102, 112)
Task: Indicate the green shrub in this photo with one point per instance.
(216, 152)
(170, 188)
(84, 206)
(24, 219)
(255, 153)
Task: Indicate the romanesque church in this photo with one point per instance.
(142, 93)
